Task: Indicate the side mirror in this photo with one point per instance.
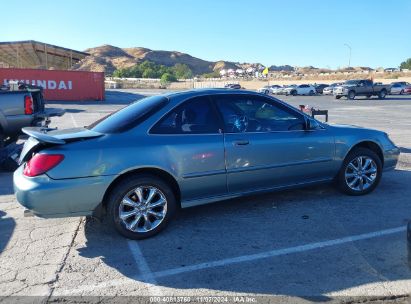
(307, 124)
(311, 124)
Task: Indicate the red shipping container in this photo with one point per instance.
(60, 85)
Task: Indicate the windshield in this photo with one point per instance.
(352, 82)
(130, 116)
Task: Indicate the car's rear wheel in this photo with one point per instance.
(294, 93)
(337, 96)
(141, 206)
(402, 92)
(311, 92)
(351, 95)
(360, 173)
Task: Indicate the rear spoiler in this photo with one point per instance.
(40, 138)
(40, 134)
(59, 137)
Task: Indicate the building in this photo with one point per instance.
(32, 54)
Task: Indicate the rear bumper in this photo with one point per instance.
(46, 197)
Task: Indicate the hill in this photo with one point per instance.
(108, 58)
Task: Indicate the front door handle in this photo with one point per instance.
(241, 142)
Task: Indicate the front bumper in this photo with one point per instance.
(46, 197)
(391, 157)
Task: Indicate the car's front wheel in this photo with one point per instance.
(140, 206)
(360, 173)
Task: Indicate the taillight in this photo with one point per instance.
(41, 163)
(28, 105)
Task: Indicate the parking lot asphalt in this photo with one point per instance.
(311, 244)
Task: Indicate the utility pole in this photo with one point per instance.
(349, 58)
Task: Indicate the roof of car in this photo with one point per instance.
(210, 91)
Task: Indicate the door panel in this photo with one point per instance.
(278, 159)
(266, 145)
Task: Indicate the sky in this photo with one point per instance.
(271, 32)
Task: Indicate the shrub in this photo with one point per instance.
(182, 71)
(166, 78)
(406, 64)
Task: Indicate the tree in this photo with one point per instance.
(214, 74)
(182, 71)
(167, 78)
(406, 64)
(149, 73)
(148, 69)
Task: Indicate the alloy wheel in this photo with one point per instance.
(143, 209)
(361, 173)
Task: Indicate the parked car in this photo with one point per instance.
(398, 88)
(235, 86)
(366, 87)
(320, 87)
(278, 90)
(268, 89)
(302, 89)
(330, 88)
(144, 162)
(285, 89)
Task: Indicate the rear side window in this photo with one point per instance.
(130, 116)
(195, 116)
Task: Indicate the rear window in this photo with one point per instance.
(352, 82)
(130, 116)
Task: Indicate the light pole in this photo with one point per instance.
(349, 59)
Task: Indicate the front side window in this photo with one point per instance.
(195, 116)
(245, 113)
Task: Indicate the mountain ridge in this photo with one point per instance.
(107, 58)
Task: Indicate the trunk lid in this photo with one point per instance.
(41, 138)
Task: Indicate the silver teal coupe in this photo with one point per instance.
(145, 161)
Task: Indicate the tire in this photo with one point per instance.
(351, 95)
(337, 96)
(369, 96)
(311, 93)
(346, 176)
(127, 189)
(266, 92)
(382, 94)
(402, 92)
(294, 93)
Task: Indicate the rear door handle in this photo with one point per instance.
(241, 142)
